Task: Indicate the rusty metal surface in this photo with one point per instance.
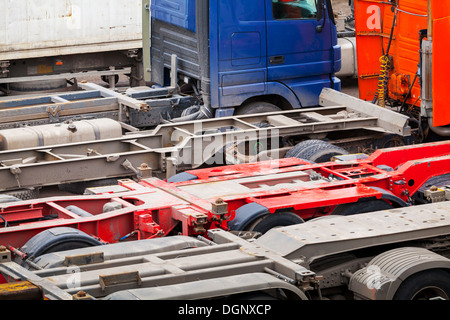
(23, 290)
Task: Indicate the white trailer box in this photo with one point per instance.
(38, 36)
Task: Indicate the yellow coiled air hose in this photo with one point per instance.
(382, 80)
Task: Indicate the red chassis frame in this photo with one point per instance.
(155, 208)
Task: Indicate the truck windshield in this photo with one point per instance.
(294, 9)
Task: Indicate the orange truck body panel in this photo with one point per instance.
(441, 62)
(374, 21)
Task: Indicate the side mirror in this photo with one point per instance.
(320, 15)
(330, 11)
(320, 9)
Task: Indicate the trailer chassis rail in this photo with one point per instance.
(174, 147)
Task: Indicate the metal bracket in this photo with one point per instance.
(127, 165)
(171, 166)
(142, 172)
(4, 68)
(5, 254)
(84, 259)
(53, 113)
(219, 207)
(16, 171)
(81, 295)
(120, 278)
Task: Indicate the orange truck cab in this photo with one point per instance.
(402, 48)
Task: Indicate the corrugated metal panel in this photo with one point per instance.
(178, 12)
(168, 39)
(374, 21)
(30, 28)
(406, 50)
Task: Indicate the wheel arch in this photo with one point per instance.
(275, 99)
(246, 214)
(249, 214)
(275, 93)
(385, 273)
(46, 241)
(387, 195)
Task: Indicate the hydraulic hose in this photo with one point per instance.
(382, 80)
(204, 112)
(4, 220)
(385, 68)
(202, 26)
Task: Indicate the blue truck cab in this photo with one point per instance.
(246, 56)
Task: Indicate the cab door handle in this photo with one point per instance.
(276, 59)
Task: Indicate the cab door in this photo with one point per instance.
(302, 52)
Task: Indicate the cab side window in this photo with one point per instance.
(294, 9)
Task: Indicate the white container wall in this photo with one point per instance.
(42, 28)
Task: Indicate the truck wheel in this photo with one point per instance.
(57, 239)
(23, 194)
(274, 220)
(106, 78)
(315, 151)
(426, 285)
(361, 207)
(257, 107)
(5, 198)
(80, 187)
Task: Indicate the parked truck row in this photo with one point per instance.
(273, 55)
(400, 254)
(231, 60)
(325, 205)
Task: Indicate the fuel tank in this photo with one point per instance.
(60, 133)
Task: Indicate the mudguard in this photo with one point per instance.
(387, 195)
(181, 177)
(384, 274)
(246, 214)
(44, 241)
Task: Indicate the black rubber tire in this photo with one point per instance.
(80, 187)
(106, 79)
(190, 110)
(24, 194)
(6, 198)
(425, 284)
(257, 107)
(349, 209)
(274, 220)
(316, 151)
(57, 239)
